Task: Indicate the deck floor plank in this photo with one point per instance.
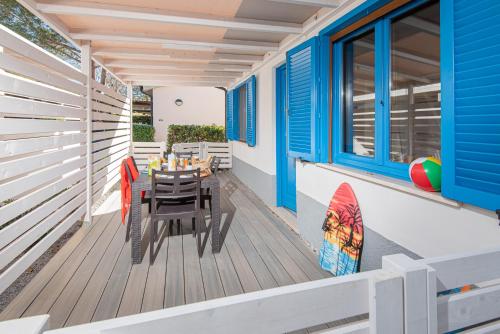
(194, 291)
(44, 301)
(211, 279)
(275, 223)
(91, 278)
(88, 301)
(133, 295)
(69, 296)
(24, 299)
(281, 245)
(154, 293)
(174, 285)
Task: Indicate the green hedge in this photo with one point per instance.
(194, 133)
(143, 133)
(141, 119)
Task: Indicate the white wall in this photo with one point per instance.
(202, 106)
(423, 226)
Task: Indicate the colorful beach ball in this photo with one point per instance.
(425, 173)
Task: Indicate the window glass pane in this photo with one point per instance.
(415, 85)
(243, 112)
(359, 95)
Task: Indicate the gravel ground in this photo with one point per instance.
(13, 290)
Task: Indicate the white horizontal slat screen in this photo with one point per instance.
(42, 152)
(110, 137)
(143, 150)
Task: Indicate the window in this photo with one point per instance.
(242, 112)
(415, 115)
(241, 117)
(359, 95)
(387, 91)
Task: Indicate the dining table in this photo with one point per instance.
(144, 183)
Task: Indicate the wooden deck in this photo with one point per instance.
(91, 278)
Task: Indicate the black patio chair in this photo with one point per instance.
(175, 195)
(184, 155)
(206, 194)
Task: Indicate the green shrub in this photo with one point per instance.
(143, 133)
(141, 119)
(194, 133)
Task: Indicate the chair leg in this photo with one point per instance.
(178, 226)
(193, 222)
(129, 223)
(198, 233)
(156, 230)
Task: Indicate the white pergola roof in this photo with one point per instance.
(184, 42)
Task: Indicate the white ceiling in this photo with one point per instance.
(203, 42)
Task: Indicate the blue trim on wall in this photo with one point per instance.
(447, 99)
(279, 134)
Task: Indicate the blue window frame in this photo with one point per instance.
(244, 115)
(376, 154)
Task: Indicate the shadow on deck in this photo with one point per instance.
(91, 278)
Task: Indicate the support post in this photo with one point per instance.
(419, 290)
(130, 96)
(87, 70)
(386, 303)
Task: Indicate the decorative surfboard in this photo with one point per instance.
(343, 239)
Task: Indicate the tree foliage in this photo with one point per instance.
(20, 20)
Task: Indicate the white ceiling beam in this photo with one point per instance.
(205, 45)
(315, 3)
(175, 79)
(159, 83)
(155, 15)
(175, 66)
(154, 54)
(177, 73)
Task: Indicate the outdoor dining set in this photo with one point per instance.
(173, 192)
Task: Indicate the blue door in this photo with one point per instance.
(286, 183)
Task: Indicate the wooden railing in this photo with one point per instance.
(142, 150)
(402, 297)
(205, 149)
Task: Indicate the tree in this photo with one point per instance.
(20, 20)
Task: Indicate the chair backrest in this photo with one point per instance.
(135, 164)
(214, 165)
(184, 155)
(129, 173)
(175, 184)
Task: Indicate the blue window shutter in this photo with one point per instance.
(236, 114)
(229, 115)
(471, 102)
(251, 111)
(302, 102)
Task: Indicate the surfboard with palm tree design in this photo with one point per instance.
(343, 238)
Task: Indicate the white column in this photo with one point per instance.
(130, 96)
(87, 70)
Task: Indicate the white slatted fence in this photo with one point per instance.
(42, 152)
(205, 149)
(142, 150)
(111, 133)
